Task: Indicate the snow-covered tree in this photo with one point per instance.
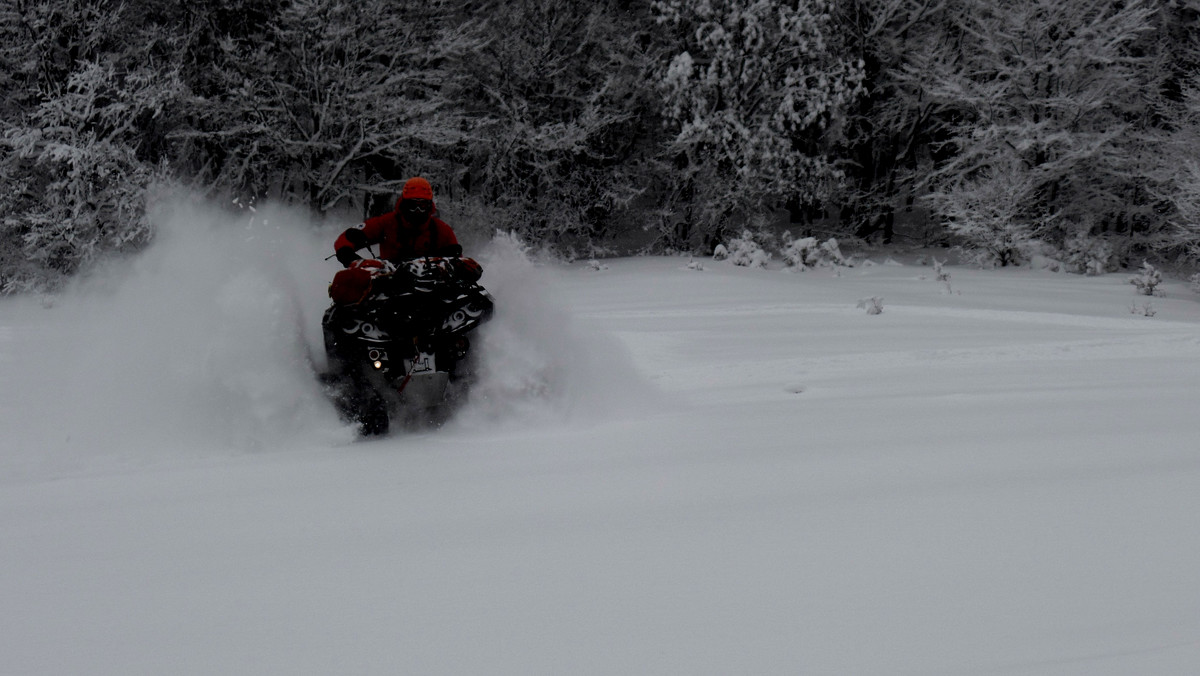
(560, 118)
(890, 128)
(1047, 106)
(1172, 166)
(84, 149)
(81, 138)
(338, 99)
(755, 92)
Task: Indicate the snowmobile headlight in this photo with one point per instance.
(378, 364)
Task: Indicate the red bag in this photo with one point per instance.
(353, 284)
(469, 270)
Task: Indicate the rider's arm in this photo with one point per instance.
(356, 238)
(347, 244)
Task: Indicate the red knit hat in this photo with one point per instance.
(417, 188)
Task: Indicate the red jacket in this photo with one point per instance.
(398, 241)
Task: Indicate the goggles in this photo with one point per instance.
(416, 209)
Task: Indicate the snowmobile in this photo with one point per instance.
(396, 338)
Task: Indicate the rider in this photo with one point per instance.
(410, 231)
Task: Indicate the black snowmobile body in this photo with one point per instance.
(402, 350)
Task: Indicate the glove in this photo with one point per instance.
(356, 237)
(346, 256)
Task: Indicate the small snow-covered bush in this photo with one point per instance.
(989, 257)
(1089, 256)
(806, 253)
(720, 253)
(747, 252)
(797, 251)
(832, 254)
(1145, 309)
(873, 305)
(941, 275)
(1147, 279)
(939, 271)
(1194, 282)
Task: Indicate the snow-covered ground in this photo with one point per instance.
(664, 471)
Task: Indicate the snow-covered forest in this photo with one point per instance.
(1013, 128)
(868, 426)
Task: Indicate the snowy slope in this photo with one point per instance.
(666, 471)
